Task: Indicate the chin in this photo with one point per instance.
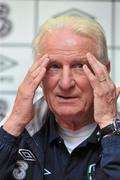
(65, 112)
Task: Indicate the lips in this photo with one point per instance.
(66, 97)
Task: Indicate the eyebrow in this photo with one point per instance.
(83, 59)
(53, 61)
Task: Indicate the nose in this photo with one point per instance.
(66, 80)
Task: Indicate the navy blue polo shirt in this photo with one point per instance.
(82, 164)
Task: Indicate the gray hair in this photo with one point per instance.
(80, 25)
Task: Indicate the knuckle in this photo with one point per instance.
(104, 67)
(100, 72)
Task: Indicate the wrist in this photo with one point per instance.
(105, 124)
(112, 128)
(14, 126)
(106, 121)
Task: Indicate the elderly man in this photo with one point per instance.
(73, 132)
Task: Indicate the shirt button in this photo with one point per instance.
(60, 141)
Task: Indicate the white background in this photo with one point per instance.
(26, 16)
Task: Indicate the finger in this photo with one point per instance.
(38, 70)
(98, 68)
(91, 77)
(102, 74)
(94, 81)
(38, 62)
(39, 77)
(33, 80)
(38, 56)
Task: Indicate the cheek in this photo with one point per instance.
(86, 91)
(84, 85)
(52, 77)
(81, 80)
(49, 83)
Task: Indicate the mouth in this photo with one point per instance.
(66, 98)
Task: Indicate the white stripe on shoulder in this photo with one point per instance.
(39, 119)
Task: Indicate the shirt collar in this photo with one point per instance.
(93, 139)
(95, 136)
(53, 127)
(54, 132)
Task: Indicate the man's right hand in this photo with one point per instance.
(23, 110)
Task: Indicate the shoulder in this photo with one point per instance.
(40, 116)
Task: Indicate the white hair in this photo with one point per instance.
(80, 25)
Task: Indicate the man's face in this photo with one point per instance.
(65, 85)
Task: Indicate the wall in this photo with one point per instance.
(19, 22)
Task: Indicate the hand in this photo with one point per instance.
(104, 91)
(23, 110)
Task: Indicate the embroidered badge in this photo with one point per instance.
(27, 155)
(91, 171)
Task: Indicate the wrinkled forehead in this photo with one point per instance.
(65, 40)
(66, 54)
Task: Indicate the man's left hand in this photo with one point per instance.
(104, 90)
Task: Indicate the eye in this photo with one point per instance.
(54, 67)
(78, 66)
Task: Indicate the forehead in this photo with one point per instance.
(66, 42)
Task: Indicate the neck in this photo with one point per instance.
(75, 122)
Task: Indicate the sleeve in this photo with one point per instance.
(110, 160)
(8, 152)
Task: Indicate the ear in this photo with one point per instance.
(108, 66)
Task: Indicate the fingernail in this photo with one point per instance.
(89, 55)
